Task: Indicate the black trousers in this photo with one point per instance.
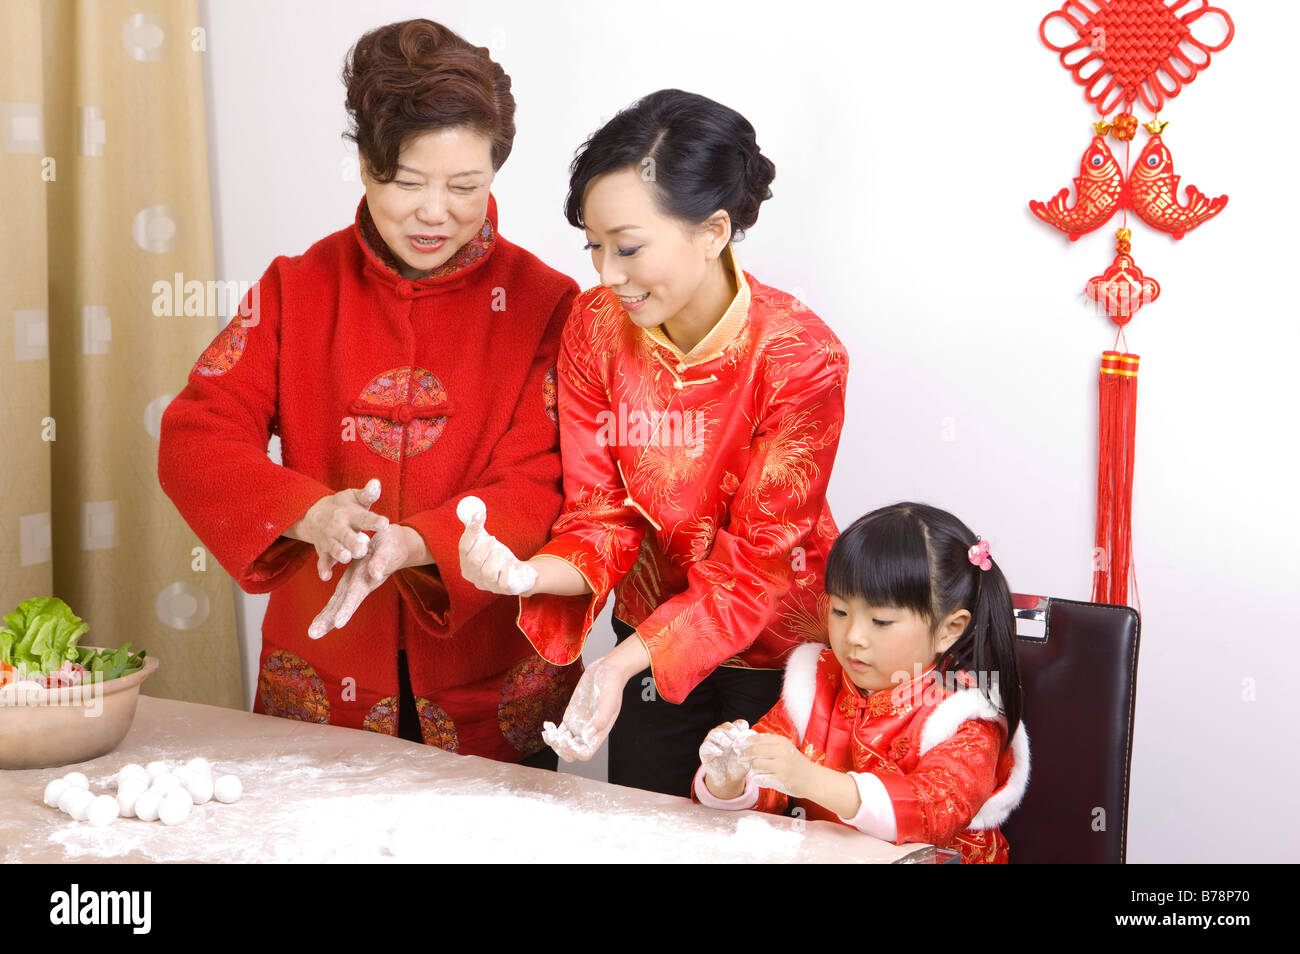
(408, 719)
(655, 745)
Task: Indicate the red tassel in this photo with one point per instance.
(1117, 426)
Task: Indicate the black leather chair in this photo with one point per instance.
(1080, 685)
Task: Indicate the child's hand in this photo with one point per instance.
(777, 764)
(725, 765)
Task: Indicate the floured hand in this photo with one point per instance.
(484, 560)
(725, 761)
(388, 553)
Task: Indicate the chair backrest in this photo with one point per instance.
(1080, 687)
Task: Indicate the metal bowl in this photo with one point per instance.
(43, 728)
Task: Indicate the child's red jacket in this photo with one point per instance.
(934, 743)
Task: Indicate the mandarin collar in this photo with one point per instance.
(713, 344)
(380, 264)
(901, 698)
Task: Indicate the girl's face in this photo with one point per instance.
(883, 646)
(438, 199)
(654, 263)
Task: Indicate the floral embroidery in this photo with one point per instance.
(226, 349)
(402, 421)
(382, 716)
(899, 747)
(290, 688)
(550, 396)
(534, 692)
(436, 727)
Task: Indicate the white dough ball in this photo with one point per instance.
(127, 794)
(54, 790)
(183, 774)
(469, 508)
(77, 779)
(79, 803)
(175, 807)
(156, 768)
(146, 806)
(201, 789)
(102, 811)
(132, 770)
(165, 783)
(199, 765)
(228, 789)
(65, 799)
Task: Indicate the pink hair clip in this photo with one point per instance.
(979, 555)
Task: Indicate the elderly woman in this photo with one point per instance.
(405, 361)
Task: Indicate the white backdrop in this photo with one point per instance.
(908, 139)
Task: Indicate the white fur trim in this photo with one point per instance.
(947, 717)
(944, 722)
(1001, 803)
(799, 688)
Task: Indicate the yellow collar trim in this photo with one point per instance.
(720, 335)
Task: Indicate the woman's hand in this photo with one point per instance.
(391, 549)
(596, 702)
(484, 560)
(726, 764)
(335, 526)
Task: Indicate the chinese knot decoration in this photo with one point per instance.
(1127, 54)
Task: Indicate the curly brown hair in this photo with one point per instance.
(408, 78)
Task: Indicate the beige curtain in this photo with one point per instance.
(104, 191)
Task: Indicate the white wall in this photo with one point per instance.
(908, 140)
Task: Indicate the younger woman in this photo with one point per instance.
(900, 728)
(700, 411)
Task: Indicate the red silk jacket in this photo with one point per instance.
(936, 748)
(695, 485)
(440, 387)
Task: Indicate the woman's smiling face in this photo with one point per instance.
(655, 263)
(437, 200)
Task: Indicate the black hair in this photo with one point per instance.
(916, 557)
(700, 155)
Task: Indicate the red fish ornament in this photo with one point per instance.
(1100, 190)
(1153, 193)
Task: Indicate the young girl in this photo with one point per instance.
(900, 728)
(700, 412)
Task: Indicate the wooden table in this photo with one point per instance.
(315, 793)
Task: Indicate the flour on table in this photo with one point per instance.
(368, 812)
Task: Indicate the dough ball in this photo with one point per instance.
(127, 793)
(79, 804)
(165, 783)
(102, 811)
(469, 508)
(201, 788)
(175, 807)
(156, 768)
(77, 779)
(132, 770)
(228, 789)
(199, 766)
(146, 806)
(183, 774)
(64, 802)
(55, 789)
